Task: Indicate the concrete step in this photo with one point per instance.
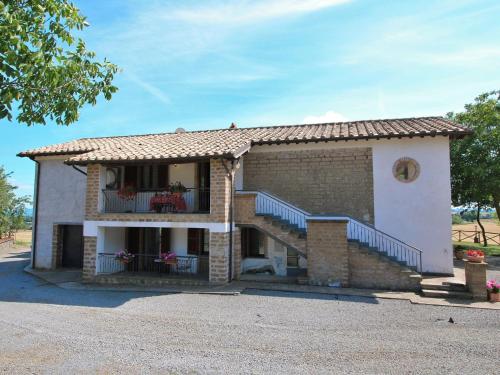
(446, 294)
(446, 287)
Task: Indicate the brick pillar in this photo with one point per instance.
(236, 253)
(57, 243)
(475, 279)
(220, 186)
(92, 194)
(89, 258)
(244, 208)
(327, 252)
(219, 257)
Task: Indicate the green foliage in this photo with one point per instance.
(469, 215)
(456, 219)
(44, 70)
(11, 207)
(475, 160)
(490, 250)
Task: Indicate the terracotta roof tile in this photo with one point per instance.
(233, 142)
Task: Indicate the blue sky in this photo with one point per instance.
(205, 64)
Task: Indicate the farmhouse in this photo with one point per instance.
(360, 204)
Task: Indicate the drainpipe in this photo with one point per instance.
(231, 214)
(35, 213)
(231, 172)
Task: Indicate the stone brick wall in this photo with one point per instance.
(475, 279)
(89, 258)
(219, 257)
(372, 271)
(92, 196)
(236, 253)
(57, 244)
(244, 209)
(245, 216)
(336, 181)
(327, 253)
(220, 186)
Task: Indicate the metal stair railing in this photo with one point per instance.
(384, 243)
(268, 204)
(367, 234)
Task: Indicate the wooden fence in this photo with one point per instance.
(474, 236)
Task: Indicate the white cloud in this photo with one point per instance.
(426, 38)
(148, 87)
(252, 11)
(329, 116)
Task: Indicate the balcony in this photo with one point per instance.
(156, 201)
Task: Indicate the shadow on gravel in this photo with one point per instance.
(19, 287)
(23, 255)
(315, 296)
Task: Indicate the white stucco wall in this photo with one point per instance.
(417, 212)
(114, 240)
(179, 241)
(61, 200)
(275, 255)
(185, 173)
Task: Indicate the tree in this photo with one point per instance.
(11, 207)
(45, 72)
(475, 160)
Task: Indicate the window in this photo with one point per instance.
(147, 177)
(406, 170)
(197, 241)
(252, 243)
(113, 178)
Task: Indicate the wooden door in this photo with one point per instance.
(204, 186)
(72, 249)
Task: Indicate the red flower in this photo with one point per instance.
(475, 253)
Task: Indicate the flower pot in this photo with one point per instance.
(177, 194)
(172, 261)
(125, 261)
(494, 297)
(476, 259)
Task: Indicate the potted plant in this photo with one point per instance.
(475, 256)
(124, 256)
(177, 188)
(493, 290)
(169, 258)
(128, 192)
(458, 251)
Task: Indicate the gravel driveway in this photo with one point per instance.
(44, 329)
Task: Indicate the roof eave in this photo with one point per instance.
(450, 134)
(158, 160)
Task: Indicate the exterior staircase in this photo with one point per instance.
(445, 289)
(288, 224)
(284, 232)
(371, 268)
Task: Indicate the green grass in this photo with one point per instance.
(491, 250)
(22, 243)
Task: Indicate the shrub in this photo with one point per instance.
(456, 219)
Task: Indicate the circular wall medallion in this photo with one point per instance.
(406, 170)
